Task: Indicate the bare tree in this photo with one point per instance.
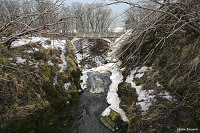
(33, 17)
(92, 17)
(135, 14)
(28, 17)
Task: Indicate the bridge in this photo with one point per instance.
(107, 36)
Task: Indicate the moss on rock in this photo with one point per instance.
(111, 120)
(107, 121)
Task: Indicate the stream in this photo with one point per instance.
(93, 101)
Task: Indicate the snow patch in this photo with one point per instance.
(116, 29)
(55, 44)
(112, 96)
(58, 44)
(32, 51)
(141, 72)
(29, 51)
(158, 84)
(145, 97)
(35, 49)
(84, 78)
(64, 64)
(10, 58)
(20, 60)
(82, 50)
(166, 95)
(32, 63)
(79, 57)
(50, 63)
(55, 80)
(111, 60)
(37, 39)
(20, 42)
(67, 85)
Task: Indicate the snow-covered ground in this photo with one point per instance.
(54, 44)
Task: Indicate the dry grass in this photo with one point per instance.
(171, 48)
(27, 92)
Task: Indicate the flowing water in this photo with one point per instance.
(93, 102)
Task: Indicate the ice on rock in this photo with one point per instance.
(112, 96)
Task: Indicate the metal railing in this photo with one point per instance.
(99, 35)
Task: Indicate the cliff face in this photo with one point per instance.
(162, 70)
(39, 84)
